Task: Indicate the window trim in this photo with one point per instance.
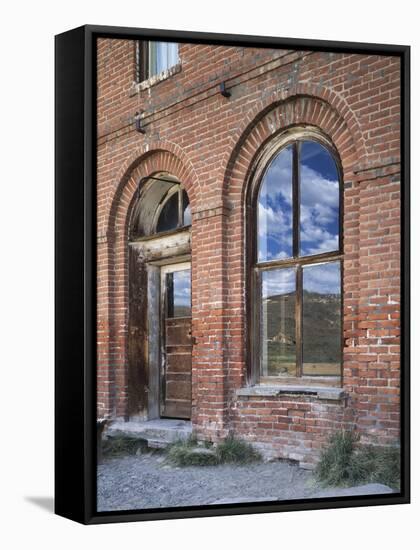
(254, 268)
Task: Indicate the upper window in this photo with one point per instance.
(162, 206)
(297, 265)
(173, 212)
(153, 58)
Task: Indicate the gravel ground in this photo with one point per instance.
(147, 481)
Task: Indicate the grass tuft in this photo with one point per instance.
(237, 451)
(376, 465)
(184, 453)
(231, 450)
(115, 446)
(334, 465)
(344, 463)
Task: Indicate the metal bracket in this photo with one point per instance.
(223, 91)
(139, 127)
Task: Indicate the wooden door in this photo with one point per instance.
(177, 342)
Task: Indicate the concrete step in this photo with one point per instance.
(158, 433)
(157, 443)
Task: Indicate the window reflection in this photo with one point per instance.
(278, 322)
(168, 218)
(178, 288)
(319, 200)
(275, 216)
(322, 319)
(299, 218)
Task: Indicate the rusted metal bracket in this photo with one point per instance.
(224, 91)
(139, 127)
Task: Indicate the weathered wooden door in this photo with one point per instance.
(176, 341)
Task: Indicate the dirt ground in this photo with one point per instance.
(148, 481)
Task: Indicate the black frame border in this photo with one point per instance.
(75, 273)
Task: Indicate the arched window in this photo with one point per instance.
(296, 264)
(174, 211)
(162, 206)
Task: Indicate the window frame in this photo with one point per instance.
(143, 230)
(254, 268)
(142, 63)
(176, 188)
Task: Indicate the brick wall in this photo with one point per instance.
(210, 143)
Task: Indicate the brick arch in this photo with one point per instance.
(304, 103)
(152, 157)
(268, 119)
(145, 161)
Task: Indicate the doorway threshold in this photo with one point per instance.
(158, 433)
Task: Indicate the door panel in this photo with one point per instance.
(177, 344)
(178, 362)
(178, 332)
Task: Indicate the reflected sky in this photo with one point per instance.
(322, 278)
(319, 204)
(278, 281)
(319, 195)
(182, 288)
(178, 293)
(275, 218)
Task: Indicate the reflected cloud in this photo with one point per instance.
(275, 218)
(319, 204)
(322, 278)
(320, 198)
(182, 288)
(278, 281)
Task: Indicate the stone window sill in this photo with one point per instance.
(326, 393)
(155, 79)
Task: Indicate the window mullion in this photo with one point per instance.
(296, 228)
(180, 209)
(257, 343)
(295, 199)
(298, 305)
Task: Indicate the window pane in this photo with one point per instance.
(153, 58)
(168, 218)
(278, 337)
(178, 297)
(320, 199)
(321, 331)
(162, 55)
(275, 215)
(172, 54)
(186, 208)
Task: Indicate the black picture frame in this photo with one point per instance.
(75, 270)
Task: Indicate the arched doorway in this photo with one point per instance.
(159, 332)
